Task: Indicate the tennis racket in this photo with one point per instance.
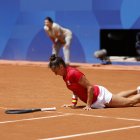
(22, 111)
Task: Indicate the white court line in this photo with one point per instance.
(31, 119)
(92, 133)
(108, 117)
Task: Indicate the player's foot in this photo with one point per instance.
(138, 90)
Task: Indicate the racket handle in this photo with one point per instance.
(48, 109)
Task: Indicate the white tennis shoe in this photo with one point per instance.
(138, 90)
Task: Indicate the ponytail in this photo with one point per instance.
(56, 61)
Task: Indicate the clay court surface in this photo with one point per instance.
(33, 85)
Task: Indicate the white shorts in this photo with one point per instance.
(104, 97)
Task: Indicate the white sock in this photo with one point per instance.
(138, 90)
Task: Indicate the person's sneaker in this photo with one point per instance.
(138, 89)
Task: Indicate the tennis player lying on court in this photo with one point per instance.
(94, 96)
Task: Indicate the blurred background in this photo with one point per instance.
(96, 24)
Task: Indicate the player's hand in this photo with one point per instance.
(69, 105)
(87, 108)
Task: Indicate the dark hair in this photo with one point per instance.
(49, 19)
(56, 61)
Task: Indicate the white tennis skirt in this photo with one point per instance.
(104, 97)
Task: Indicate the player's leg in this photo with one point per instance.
(66, 52)
(119, 101)
(66, 49)
(127, 93)
(56, 48)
